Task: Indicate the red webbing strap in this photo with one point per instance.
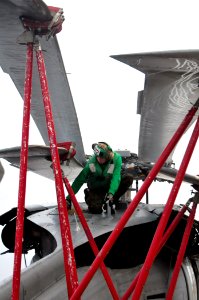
(68, 253)
(90, 238)
(166, 236)
(181, 253)
(166, 214)
(23, 173)
(119, 227)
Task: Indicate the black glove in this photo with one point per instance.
(108, 197)
(112, 206)
(104, 208)
(108, 200)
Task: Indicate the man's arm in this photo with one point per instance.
(80, 180)
(115, 182)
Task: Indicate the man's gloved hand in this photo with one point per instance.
(108, 200)
(108, 197)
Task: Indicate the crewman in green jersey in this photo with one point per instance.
(102, 174)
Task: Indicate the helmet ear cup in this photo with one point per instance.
(93, 146)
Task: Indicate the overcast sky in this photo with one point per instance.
(104, 90)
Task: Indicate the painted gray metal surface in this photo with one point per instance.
(13, 61)
(44, 284)
(171, 88)
(39, 161)
(45, 279)
(1, 172)
(190, 279)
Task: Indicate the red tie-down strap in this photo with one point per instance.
(70, 147)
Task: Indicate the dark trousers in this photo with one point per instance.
(126, 182)
(94, 198)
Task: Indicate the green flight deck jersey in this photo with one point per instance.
(100, 175)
